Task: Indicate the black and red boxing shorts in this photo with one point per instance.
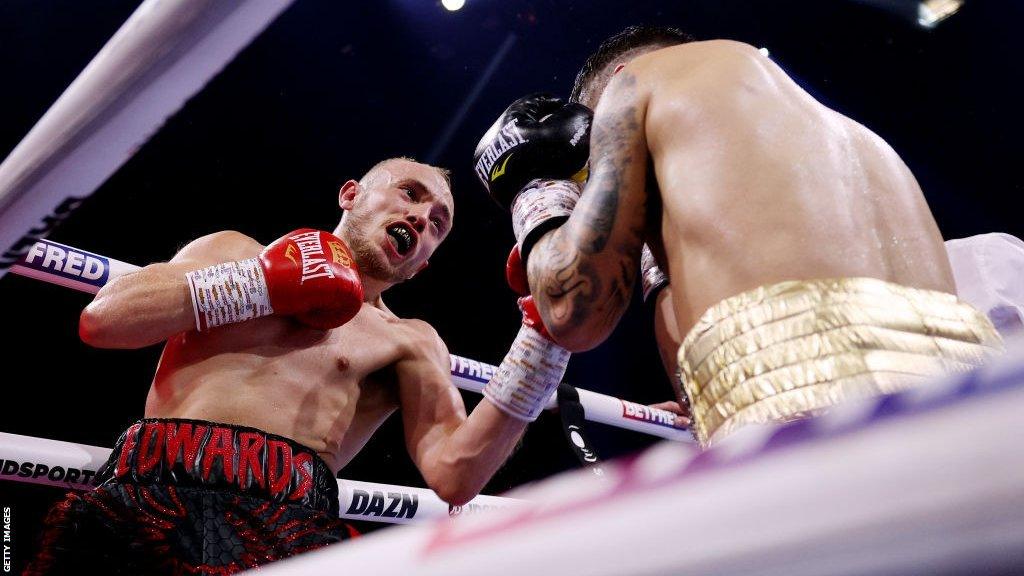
(193, 497)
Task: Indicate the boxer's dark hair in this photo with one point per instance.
(631, 38)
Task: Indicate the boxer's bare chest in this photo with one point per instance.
(326, 389)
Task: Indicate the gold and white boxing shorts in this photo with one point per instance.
(792, 349)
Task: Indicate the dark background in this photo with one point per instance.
(332, 87)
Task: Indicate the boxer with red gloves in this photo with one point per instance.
(279, 363)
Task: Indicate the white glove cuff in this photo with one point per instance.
(228, 292)
(539, 202)
(528, 376)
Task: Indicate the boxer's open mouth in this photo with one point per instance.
(403, 237)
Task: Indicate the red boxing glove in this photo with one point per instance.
(531, 316)
(309, 274)
(515, 272)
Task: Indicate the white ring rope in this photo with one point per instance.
(159, 58)
(73, 268)
(74, 466)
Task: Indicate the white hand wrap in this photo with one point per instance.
(229, 292)
(540, 201)
(528, 376)
(652, 278)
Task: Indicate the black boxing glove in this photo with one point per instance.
(540, 144)
(538, 136)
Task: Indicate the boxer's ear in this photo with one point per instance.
(347, 194)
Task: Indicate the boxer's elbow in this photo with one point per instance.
(454, 494)
(578, 320)
(91, 325)
(452, 483)
(105, 323)
(138, 310)
(575, 328)
(96, 325)
(578, 337)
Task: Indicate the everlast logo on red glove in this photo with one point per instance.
(314, 261)
(219, 456)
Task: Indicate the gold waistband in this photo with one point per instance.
(783, 351)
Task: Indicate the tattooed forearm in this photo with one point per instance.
(582, 274)
(568, 281)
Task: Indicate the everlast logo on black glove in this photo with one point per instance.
(506, 138)
(538, 136)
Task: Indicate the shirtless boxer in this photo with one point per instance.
(806, 267)
(248, 418)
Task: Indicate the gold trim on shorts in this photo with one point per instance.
(788, 350)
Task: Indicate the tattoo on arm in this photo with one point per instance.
(586, 269)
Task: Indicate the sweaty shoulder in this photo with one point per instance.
(220, 246)
(680, 69)
(697, 70)
(695, 57)
(694, 83)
